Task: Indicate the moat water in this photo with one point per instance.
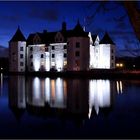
(35, 107)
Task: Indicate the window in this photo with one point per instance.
(42, 56)
(21, 63)
(56, 40)
(77, 53)
(21, 55)
(31, 64)
(31, 56)
(52, 47)
(65, 55)
(77, 44)
(112, 57)
(112, 51)
(112, 64)
(21, 48)
(31, 49)
(46, 49)
(53, 55)
(65, 46)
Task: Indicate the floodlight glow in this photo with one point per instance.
(99, 97)
(36, 64)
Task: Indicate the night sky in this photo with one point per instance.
(36, 16)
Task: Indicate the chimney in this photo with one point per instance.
(64, 26)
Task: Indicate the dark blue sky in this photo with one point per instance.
(35, 16)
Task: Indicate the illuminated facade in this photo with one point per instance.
(102, 52)
(17, 52)
(71, 50)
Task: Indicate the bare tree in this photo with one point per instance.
(133, 14)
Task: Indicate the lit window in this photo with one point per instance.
(65, 63)
(42, 56)
(21, 63)
(117, 65)
(21, 48)
(21, 55)
(53, 55)
(77, 44)
(121, 65)
(77, 53)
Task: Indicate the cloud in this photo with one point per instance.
(48, 14)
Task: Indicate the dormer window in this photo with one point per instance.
(36, 39)
(58, 37)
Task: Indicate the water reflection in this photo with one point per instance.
(70, 98)
(119, 87)
(17, 102)
(1, 84)
(100, 95)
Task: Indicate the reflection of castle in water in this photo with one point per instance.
(67, 98)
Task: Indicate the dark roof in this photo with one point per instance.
(18, 36)
(49, 37)
(94, 37)
(78, 31)
(106, 40)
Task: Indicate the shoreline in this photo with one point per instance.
(96, 74)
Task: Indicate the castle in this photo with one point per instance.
(64, 50)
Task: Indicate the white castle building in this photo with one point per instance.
(71, 50)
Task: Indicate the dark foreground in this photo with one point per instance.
(42, 107)
(97, 74)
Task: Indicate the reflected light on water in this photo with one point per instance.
(52, 92)
(36, 88)
(47, 89)
(57, 93)
(99, 94)
(1, 84)
(119, 87)
(38, 98)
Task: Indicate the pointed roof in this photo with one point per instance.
(18, 36)
(94, 37)
(78, 31)
(106, 40)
